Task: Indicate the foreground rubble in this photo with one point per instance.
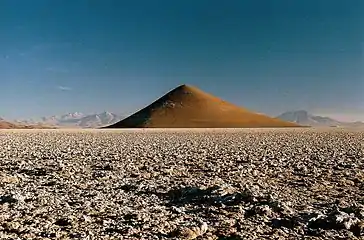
(183, 184)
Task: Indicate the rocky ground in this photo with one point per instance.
(185, 184)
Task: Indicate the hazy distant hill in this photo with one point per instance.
(305, 118)
(16, 125)
(8, 125)
(78, 120)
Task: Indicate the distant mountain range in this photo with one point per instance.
(76, 120)
(306, 119)
(81, 120)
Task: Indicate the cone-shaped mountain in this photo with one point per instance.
(189, 107)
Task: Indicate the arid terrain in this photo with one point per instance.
(10, 125)
(182, 184)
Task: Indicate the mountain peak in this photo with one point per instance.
(301, 111)
(184, 88)
(189, 107)
(107, 113)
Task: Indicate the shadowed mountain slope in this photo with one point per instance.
(189, 107)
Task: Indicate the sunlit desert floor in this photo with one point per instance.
(182, 184)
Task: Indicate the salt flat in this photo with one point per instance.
(182, 184)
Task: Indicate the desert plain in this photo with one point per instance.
(293, 183)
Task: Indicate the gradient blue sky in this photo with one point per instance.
(59, 56)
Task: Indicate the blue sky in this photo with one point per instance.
(270, 56)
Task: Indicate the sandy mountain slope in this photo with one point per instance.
(189, 107)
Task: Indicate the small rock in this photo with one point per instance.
(7, 199)
(63, 222)
(194, 232)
